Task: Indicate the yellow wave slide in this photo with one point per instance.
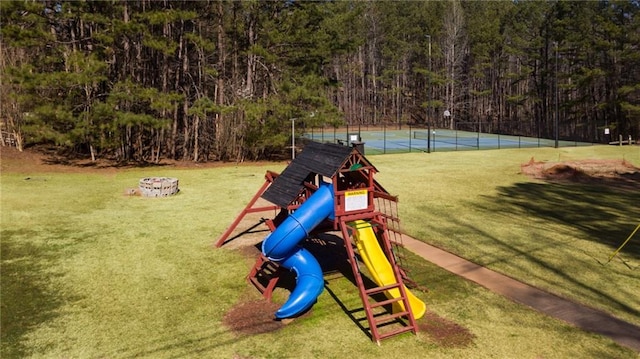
(380, 268)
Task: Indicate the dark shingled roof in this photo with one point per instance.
(324, 159)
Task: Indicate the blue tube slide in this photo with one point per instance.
(282, 246)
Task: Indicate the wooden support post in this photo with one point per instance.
(269, 177)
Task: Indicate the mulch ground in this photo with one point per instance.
(444, 332)
(253, 317)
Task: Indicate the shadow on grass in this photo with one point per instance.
(185, 344)
(588, 213)
(28, 298)
(599, 214)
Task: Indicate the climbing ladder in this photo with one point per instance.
(382, 323)
(264, 276)
(388, 207)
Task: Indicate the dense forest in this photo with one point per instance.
(221, 80)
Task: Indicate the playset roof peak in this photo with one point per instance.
(324, 159)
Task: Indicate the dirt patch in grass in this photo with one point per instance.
(256, 316)
(614, 173)
(253, 317)
(43, 159)
(445, 332)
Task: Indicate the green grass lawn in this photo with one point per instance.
(554, 236)
(88, 272)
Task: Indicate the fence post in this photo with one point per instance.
(428, 138)
(384, 137)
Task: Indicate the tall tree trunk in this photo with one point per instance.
(454, 44)
(221, 67)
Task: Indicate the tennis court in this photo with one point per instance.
(422, 140)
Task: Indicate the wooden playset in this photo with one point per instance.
(331, 188)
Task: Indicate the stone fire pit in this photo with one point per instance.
(158, 186)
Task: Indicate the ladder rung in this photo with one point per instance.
(257, 283)
(395, 332)
(385, 302)
(390, 317)
(382, 289)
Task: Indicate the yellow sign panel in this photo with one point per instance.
(362, 192)
(355, 200)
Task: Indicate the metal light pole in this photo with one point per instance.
(293, 138)
(429, 79)
(556, 99)
(428, 100)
